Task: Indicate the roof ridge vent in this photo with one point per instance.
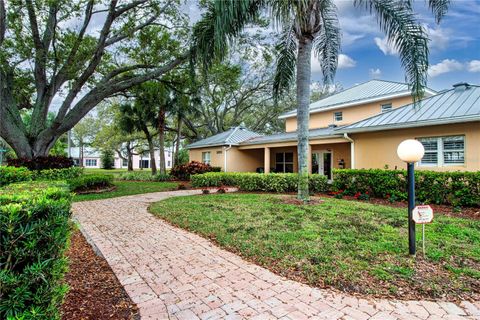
(461, 86)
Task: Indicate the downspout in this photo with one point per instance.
(352, 149)
(225, 158)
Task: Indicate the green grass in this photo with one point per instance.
(352, 246)
(112, 171)
(125, 188)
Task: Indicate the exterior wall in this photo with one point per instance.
(244, 160)
(118, 163)
(377, 149)
(216, 154)
(350, 114)
(339, 151)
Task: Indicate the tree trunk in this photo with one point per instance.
(161, 137)
(80, 154)
(129, 157)
(303, 102)
(179, 139)
(151, 150)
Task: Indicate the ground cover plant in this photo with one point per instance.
(34, 224)
(352, 246)
(91, 182)
(126, 188)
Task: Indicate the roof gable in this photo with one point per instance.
(233, 136)
(460, 104)
(370, 91)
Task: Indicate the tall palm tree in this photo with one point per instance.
(313, 25)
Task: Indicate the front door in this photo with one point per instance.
(322, 163)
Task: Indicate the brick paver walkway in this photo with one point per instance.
(174, 274)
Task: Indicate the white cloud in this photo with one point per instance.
(385, 46)
(447, 65)
(473, 66)
(375, 73)
(439, 38)
(344, 62)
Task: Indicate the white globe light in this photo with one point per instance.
(410, 151)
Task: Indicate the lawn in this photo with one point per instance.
(110, 171)
(352, 246)
(125, 188)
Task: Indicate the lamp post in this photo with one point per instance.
(411, 151)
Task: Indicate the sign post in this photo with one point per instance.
(422, 215)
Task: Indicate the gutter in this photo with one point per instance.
(352, 149)
(225, 158)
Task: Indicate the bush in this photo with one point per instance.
(144, 176)
(107, 159)
(58, 174)
(452, 188)
(12, 174)
(34, 224)
(273, 182)
(42, 163)
(183, 172)
(91, 182)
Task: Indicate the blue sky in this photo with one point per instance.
(454, 46)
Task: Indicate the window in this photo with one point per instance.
(442, 151)
(168, 163)
(124, 163)
(386, 107)
(338, 116)
(143, 164)
(90, 162)
(206, 157)
(284, 162)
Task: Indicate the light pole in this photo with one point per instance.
(411, 151)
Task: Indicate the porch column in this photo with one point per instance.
(266, 160)
(309, 159)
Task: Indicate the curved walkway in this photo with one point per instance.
(174, 274)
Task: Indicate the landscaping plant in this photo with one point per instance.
(107, 159)
(34, 228)
(42, 162)
(144, 176)
(185, 171)
(91, 182)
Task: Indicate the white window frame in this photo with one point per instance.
(441, 152)
(386, 107)
(207, 157)
(88, 162)
(338, 116)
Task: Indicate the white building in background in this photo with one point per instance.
(91, 159)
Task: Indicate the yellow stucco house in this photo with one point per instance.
(360, 127)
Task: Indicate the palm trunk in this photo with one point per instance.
(151, 150)
(179, 139)
(80, 154)
(161, 137)
(303, 101)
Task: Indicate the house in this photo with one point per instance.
(361, 127)
(92, 159)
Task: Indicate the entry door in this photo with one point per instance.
(322, 163)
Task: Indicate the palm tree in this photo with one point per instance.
(313, 25)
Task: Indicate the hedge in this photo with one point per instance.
(273, 182)
(185, 171)
(42, 163)
(34, 224)
(11, 174)
(452, 188)
(144, 176)
(91, 181)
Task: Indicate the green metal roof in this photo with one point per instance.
(233, 136)
(370, 91)
(460, 104)
(292, 136)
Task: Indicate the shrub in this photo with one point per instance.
(34, 224)
(91, 182)
(107, 158)
(12, 174)
(221, 190)
(273, 182)
(58, 174)
(453, 188)
(42, 163)
(144, 176)
(183, 172)
(205, 191)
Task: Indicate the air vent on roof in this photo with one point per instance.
(461, 86)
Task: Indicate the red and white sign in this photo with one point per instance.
(422, 214)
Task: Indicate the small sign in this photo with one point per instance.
(422, 214)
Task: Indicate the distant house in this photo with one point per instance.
(91, 159)
(361, 127)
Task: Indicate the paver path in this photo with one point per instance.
(174, 274)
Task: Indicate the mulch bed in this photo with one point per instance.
(95, 292)
(98, 190)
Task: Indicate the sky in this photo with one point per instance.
(454, 46)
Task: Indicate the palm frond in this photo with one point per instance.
(327, 44)
(286, 62)
(220, 24)
(407, 36)
(439, 8)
